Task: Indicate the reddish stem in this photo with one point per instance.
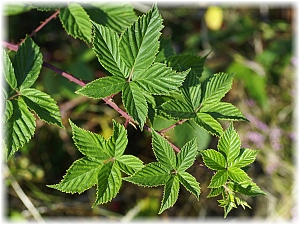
(172, 126)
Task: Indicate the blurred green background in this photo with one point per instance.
(257, 42)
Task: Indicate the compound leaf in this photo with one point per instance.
(81, 176)
(218, 179)
(27, 63)
(209, 123)
(152, 175)
(129, 164)
(43, 105)
(109, 183)
(103, 87)
(190, 183)
(171, 191)
(139, 43)
(213, 159)
(187, 155)
(76, 22)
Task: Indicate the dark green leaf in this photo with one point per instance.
(248, 188)
(177, 109)
(8, 71)
(170, 196)
(209, 123)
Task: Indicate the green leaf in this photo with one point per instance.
(177, 109)
(9, 109)
(170, 196)
(187, 155)
(163, 152)
(109, 183)
(116, 15)
(43, 105)
(190, 183)
(228, 207)
(215, 87)
(152, 175)
(159, 79)
(19, 129)
(76, 22)
(230, 144)
(209, 123)
(106, 47)
(8, 71)
(223, 111)
(117, 143)
(238, 175)
(129, 164)
(27, 63)
(215, 192)
(81, 175)
(248, 188)
(139, 43)
(103, 87)
(213, 159)
(218, 179)
(246, 157)
(135, 103)
(89, 144)
(165, 49)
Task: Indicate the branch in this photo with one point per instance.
(172, 126)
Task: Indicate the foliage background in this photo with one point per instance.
(255, 41)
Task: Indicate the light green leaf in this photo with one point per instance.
(248, 188)
(9, 109)
(129, 164)
(215, 87)
(76, 22)
(246, 157)
(152, 175)
(163, 152)
(190, 183)
(139, 43)
(81, 176)
(213, 159)
(116, 15)
(170, 196)
(117, 143)
(135, 103)
(238, 175)
(215, 192)
(191, 90)
(102, 87)
(223, 111)
(187, 155)
(241, 202)
(209, 123)
(109, 183)
(230, 144)
(89, 144)
(218, 179)
(8, 70)
(228, 207)
(106, 47)
(19, 129)
(43, 105)
(177, 109)
(159, 79)
(27, 63)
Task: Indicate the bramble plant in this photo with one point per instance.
(143, 67)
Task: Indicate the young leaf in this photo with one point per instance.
(43, 105)
(159, 79)
(152, 175)
(215, 192)
(178, 109)
(109, 183)
(238, 175)
(8, 71)
(135, 103)
(230, 144)
(187, 155)
(19, 128)
(246, 157)
(117, 143)
(209, 123)
(129, 164)
(89, 144)
(81, 176)
(102, 87)
(170, 196)
(218, 179)
(215, 87)
(139, 43)
(223, 111)
(163, 151)
(27, 63)
(190, 183)
(213, 159)
(76, 22)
